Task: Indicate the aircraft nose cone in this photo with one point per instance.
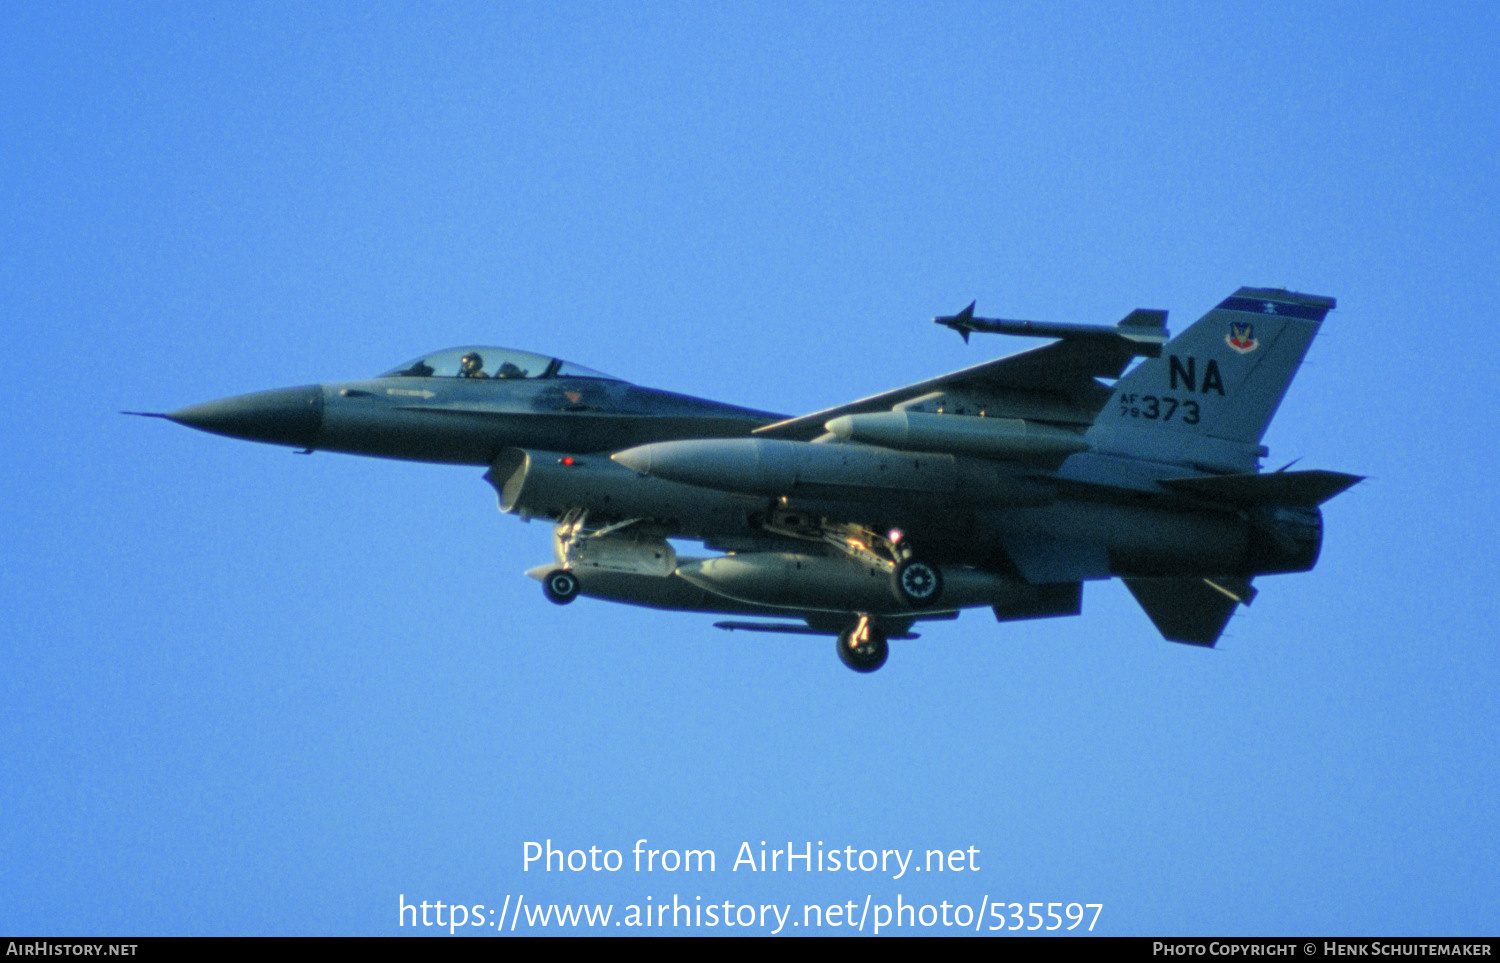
(286, 416)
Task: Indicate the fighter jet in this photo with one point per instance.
(1005, 485)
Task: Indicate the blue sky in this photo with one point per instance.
(254, 693)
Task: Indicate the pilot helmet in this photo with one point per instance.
(470, 364)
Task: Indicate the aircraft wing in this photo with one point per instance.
(1055, 382)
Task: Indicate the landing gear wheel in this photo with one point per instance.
(917, 583)
(863, 647)
(560, 586)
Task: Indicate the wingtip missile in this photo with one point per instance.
(962, 322)
(1146, 329)
(1142, 332)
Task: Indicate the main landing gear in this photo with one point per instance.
(560, 586)
(862, 646)
(917, 583)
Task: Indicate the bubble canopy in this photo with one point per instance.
(489, 361)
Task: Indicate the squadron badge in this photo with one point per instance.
(1241, 337)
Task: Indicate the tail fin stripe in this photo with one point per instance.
(1283, 309)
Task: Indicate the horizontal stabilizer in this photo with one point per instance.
(1304, 489)
(792, 628)
(1190, 610)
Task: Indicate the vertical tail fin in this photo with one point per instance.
(1208, 399)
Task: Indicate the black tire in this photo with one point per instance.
(866, 657)
(560, 586)
(917, 583)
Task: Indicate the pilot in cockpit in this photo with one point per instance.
(471, 365)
